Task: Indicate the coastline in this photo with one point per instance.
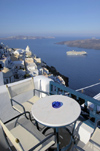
(22, 63)
(26, 37)
(87, 43)
(56, 73)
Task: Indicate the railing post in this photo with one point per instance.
(77, 98)
(94, 109)
(69, 94)
(50, 85)
(56, 90)
(85, 105)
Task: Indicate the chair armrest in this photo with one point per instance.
(41, 142)
(23, 108)
(78, 148)
(16, 117)
(93, 142)
(42, 91)
(12, 100)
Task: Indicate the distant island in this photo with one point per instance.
(87, 43)
(26, 37)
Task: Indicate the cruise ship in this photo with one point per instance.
(73, 52)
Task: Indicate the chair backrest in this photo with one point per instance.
(20, 88)
(14, 141)
(96, 136)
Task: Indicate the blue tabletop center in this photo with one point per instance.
(57, 104)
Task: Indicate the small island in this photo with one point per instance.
(87, 43)
(26, 37)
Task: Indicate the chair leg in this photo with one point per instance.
(37, 125)
(7, 141)
(29, 118)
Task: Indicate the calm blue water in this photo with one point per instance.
(81, 70)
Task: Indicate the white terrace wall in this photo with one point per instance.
(6, 111)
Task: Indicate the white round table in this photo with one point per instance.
(44, 113)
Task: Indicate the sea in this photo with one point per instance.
(82, 71)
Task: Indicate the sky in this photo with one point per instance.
(50, 17)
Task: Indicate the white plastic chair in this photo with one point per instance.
(24, 140)
(21, 88)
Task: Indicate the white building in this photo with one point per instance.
(4, 62)
(31, 66)
(18, 51)
(28, 61)
(7, 60)
(28, 53)
(40, 71)
(45, 71)
(7, 75)
(19, 64)
(32, 69)
(37, 60)
(27, 49)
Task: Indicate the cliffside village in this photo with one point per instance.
(17, 64)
